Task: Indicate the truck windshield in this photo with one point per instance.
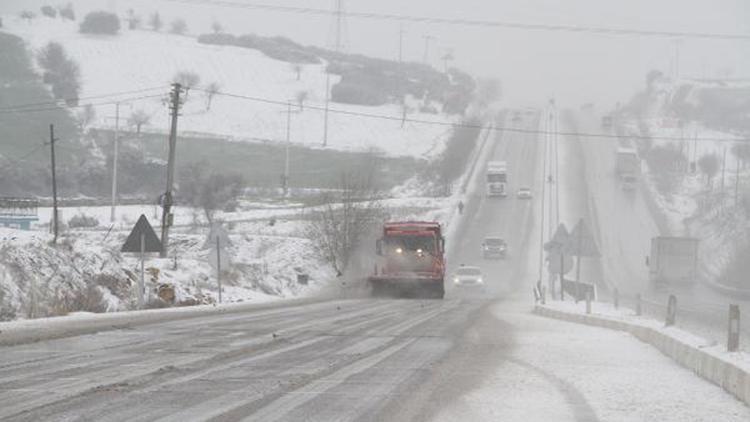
(496, 178)
(411, 243)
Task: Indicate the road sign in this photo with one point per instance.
(582, 242)
(217, 232)
(559, 242)
(553, 263)
(151, 242)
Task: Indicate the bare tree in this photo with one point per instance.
(301, 97)
(133, 21)
(211, 90)
(85, 116)
(178, 26)
(155, 21)
(297, 69)
(27, 15)
(709, 165)
(210, 190)
(216, 27)
(339, 227)
(741, 151)
(138, 119)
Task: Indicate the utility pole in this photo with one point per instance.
(427, 40)
(167, 199)
(737, 183)
(114, 163)
(339, 18)
(54, 182)
(723, 173)
(288, 141)
(541, 224)
(400, 88)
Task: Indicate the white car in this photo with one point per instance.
(524, 193)
(466, 276)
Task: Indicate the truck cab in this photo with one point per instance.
(411, 259)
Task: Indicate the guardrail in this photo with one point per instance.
(718, 324)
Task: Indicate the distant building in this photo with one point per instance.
(18, 213)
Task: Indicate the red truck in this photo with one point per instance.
(412, 260)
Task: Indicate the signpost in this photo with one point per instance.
(559, 262)
(582, 244)
(142, 239)
(217, 240)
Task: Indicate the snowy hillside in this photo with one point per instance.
(142, 59)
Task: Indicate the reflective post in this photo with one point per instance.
(671, 311)
(733, 339)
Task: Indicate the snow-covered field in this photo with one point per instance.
(141, 59)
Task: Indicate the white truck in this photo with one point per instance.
(673, 261)
(627, 167)
(497, 178)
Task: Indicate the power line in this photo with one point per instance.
(473, 22)
(61, 101)
(22, 109)
(466, 125)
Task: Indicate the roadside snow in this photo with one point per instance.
(134, 60)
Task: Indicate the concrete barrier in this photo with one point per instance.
(710, 366)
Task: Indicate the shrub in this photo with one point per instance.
(87, 299)
(178, 26)
(49, 11)
(81, 221)
(100, 23)
(67, 12)
(349, 93)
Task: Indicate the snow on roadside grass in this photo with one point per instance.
(134, 60)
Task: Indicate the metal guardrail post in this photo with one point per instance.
(638, 305)
(588, 301)
(671, 311)
(733, 337)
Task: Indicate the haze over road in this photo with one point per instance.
(472, 356)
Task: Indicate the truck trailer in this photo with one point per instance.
(627, 167)
(497, 178)
(411, 260)
(673, 261)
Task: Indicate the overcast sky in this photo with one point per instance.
(533, 65)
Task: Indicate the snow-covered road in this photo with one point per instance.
(468, 357)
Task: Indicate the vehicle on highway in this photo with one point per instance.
(524, 193)
(468, 277)
(494, 248)
(673, 261)
(411, 262)
(629, 182)
(497, 178)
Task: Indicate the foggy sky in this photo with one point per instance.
(533, 65)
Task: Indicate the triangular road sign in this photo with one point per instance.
(582, 242)
(151, 241)
(559, 241)
(217, 232)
